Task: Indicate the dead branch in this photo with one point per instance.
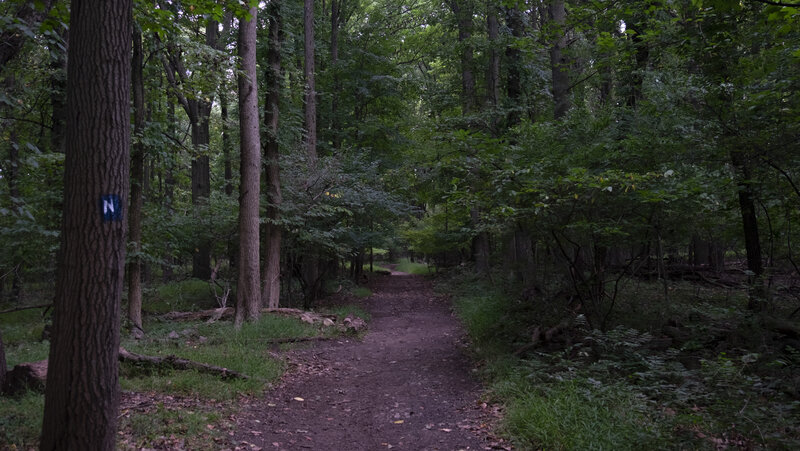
(181, 364)
(30, 307)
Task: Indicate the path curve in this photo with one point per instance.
(408, 385)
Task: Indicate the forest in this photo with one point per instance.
(607, 191)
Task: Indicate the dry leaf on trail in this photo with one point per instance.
(299, 399)
(399, 422)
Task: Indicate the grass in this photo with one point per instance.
(361, 292)
(245, 351)
(21, 419)
(183, 296)
(725, 386)
(407, 266)
(210, 399)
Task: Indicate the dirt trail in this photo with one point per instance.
(406, 386)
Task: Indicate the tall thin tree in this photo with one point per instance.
(309, 69)
(272, 230)
(248, 293)
(558, 62)
(137, 183)
(82, 394)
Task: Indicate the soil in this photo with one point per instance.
(407, 385)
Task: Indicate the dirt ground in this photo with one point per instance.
(407, 385)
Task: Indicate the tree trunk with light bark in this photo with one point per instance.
(248, 292)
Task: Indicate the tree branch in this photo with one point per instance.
(782, 4)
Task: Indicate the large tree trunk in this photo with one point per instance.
(81, 400)
(310, 87)
(248, 292)
(558, 61)
(271, 278)
(137, 182)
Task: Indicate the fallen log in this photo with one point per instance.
(27, 307)
(200, 315)
(279, 341)
(217, 313)
(181, 364)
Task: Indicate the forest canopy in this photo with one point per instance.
(559, 151)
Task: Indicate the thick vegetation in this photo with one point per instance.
(622, 175)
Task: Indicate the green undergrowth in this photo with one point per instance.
(196, 427)
(246, 351)
(407, 266)
(727, 383)
(360, 291)
(21, 420)
(181, 296)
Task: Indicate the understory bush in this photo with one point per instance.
(625, 388)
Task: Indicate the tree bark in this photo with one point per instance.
(271, 278)
(198, 110)
(82, 396)
(248, 292)
(558, 61)
(493, 75)
(336, 10)
(226, 142)
(137, 183)
(310, 83)
(514, 65)
(463, 12)
(3, 367)
(752, 239)
(58, 86)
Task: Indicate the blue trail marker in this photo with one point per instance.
(110, 208)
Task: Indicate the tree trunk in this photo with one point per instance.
(272, 251)
(752, 239)
(493, 75)
(137, 182)
(12, 178)
(514, 64)
(3, 367)
(226, 142)
(81, 400)
(336, 10)
(463, 12)
(58, 85)
(248, 292)
(310, 86)
(558, 61)
(198, 110)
